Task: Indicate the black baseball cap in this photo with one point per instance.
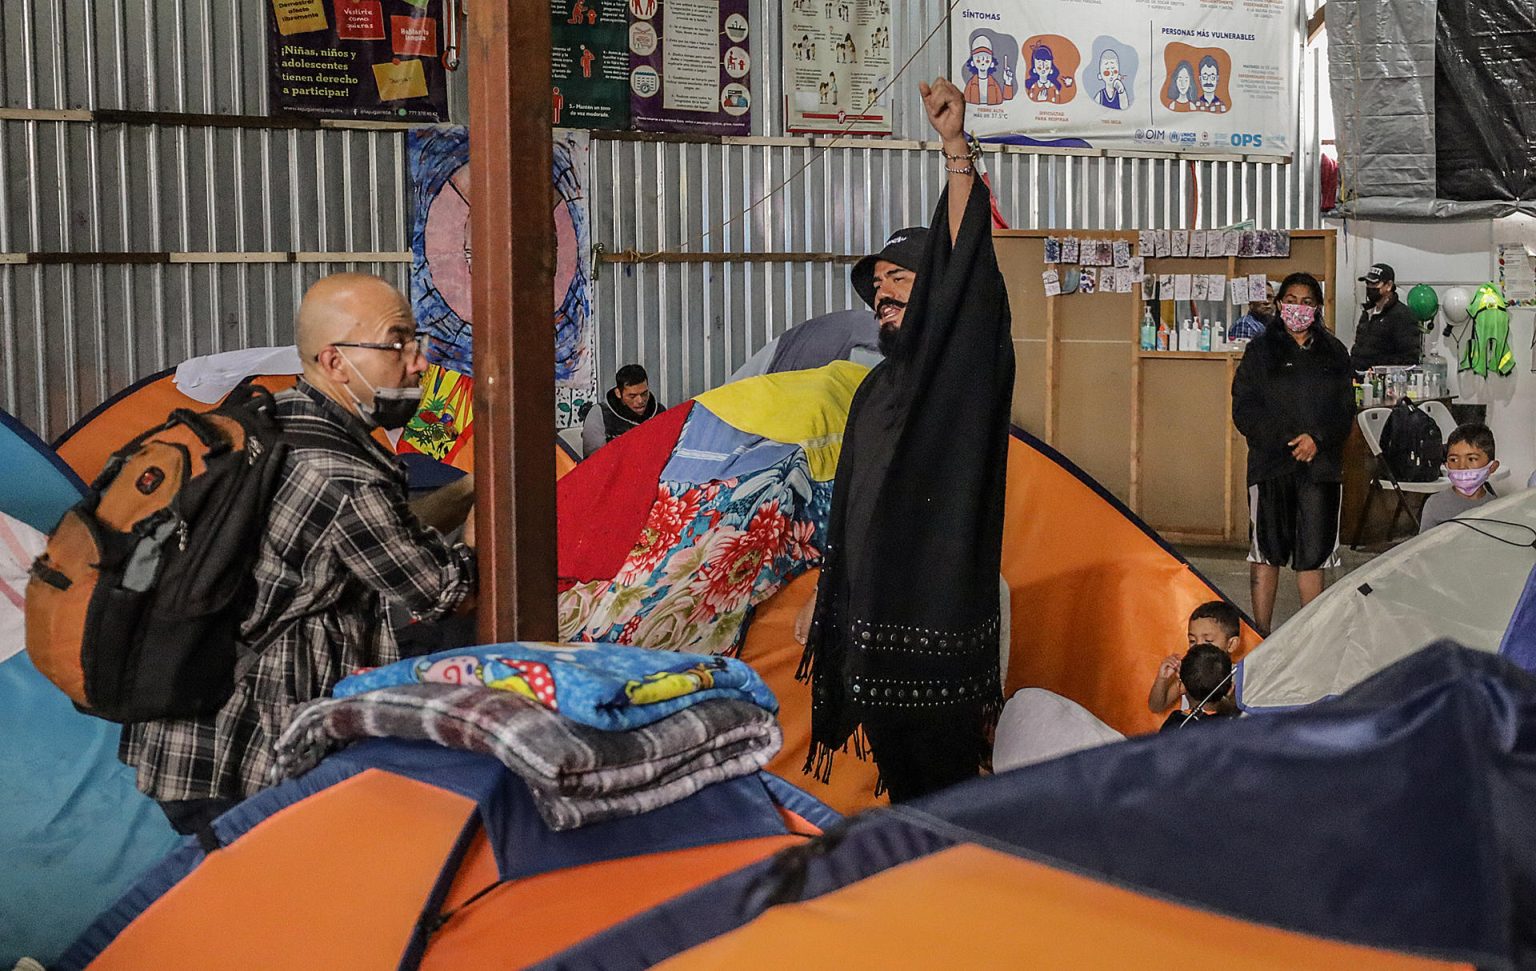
(1379, 272)
(904, 248)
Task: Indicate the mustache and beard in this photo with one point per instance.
(890, 332)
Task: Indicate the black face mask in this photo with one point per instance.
(395, 407)
(392, 407)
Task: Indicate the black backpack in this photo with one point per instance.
(1411, 445)
(134, 609)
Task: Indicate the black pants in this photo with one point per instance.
(917, 759)
(187, 816)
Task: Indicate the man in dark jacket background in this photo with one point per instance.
(1387, 333)
(628, 403)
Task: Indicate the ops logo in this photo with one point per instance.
(1247, 140)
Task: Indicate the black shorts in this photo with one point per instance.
(1294, 522)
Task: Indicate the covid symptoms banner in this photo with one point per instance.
(373, 59)
(1163, 75)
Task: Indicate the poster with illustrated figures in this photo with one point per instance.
(837, 63)
(1161, 75)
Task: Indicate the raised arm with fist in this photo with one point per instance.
(945, 105)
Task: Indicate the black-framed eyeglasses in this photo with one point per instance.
(418, 344)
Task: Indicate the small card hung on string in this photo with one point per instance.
(1162, 246)
(1146, 243)
(1197, 244)
(1122, 254)
(1052, 281)
(1052, 249)
(1069, 249)
(1089, 282)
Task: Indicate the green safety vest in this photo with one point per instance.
(1487, 347)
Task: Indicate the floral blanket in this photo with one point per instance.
(708, 554)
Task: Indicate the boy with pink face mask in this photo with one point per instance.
(1469, 461)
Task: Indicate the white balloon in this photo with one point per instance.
(1454, 303)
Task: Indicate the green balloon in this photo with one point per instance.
(1423, 302)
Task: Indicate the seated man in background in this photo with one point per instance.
(1206, 673)
(1469, 461)
(628, 403)
(340, 544)
(1253, 323)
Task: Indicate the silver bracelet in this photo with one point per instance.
(968, 170)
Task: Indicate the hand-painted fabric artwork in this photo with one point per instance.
(606, 686)
(442, 256)
(443, 428)
(740, 509)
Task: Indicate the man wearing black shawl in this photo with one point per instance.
(902, 649)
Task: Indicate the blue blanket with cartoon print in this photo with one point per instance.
(605, 686)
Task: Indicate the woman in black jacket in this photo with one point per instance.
(1293, 400)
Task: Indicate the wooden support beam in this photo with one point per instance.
(512, 235)
(1316, 22)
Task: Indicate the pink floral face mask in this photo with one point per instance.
(1468, 481)
(1297, 317)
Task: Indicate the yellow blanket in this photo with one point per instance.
(805, 408)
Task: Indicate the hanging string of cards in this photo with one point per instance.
(1088, 266)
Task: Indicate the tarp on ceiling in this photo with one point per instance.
(1460, 580)
(1432, 105)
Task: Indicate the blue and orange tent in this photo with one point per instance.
(1388, 828)
(407, 854)
(74, 832)
(1310, 839)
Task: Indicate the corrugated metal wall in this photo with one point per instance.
(71, 333)
(692, 324)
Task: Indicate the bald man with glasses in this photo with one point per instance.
(341, 545)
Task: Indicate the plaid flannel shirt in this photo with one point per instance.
(340, 541)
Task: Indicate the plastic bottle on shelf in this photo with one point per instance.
(1162, 336)
(1205, 336)
(1148, 330)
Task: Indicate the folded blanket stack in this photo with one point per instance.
(596, 731)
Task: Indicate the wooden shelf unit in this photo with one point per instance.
(1153, 427)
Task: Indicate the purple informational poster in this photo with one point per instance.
(690, 65)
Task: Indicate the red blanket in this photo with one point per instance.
(616, 487)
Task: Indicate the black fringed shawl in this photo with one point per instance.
(906, 622)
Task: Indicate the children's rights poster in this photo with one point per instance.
(690, 66)
(837, 65)
(1171, 75)
(376, 59)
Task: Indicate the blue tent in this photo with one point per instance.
(74, 832)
